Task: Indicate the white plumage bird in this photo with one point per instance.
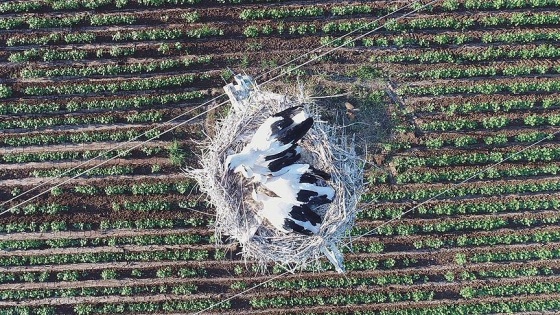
(299, 184)
(287, 217)
(273, 146)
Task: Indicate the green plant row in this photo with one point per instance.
(115, 69)
(484, 88)
(37, 22)
(465, 207)
(483, 71)
(544, 102)
(530, 254)
(33, 208)
(530, 155)
(47, 54)
(54, 226)
(490, 240)
(151, 307)
(138, 189)
(36, 123)
(104, 257)
(142, 240)
(511, 290)
(18, 295)
(100, 171)
(10, 158)
(495, 122)
(495, 140)
(82, 137)
(131, 85)
(460, 191)
(140, 101)
(350, 299)
(429, 56)
(166, 34)
(382, 280)
(80, 275)
(427, 176)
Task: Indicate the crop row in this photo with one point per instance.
(342, 299)
(463, 190)
(452, 209)
(544, 102)
(115, 69)
(38, 22)
(99, 257)
(143, 240)
(11, 158)
(485, 54)
(47, 54)
(109, 119)
(381, 280)
(528, 254)
(510, 290)
(54, 226)
(530, 155)
(131, 85)
(486, 71)
(505, 272)
(485, 224)
(494, 122)
(17, 295)
(425, 176)
(96, 136)
(542, 237)
(137, 189)
(102, 274)
(100, 171)
(139, 101)
(150, 307)
(433, 40)
(496, 139)
(135, 35)
(483, 88)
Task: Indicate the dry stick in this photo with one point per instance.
(118, 155)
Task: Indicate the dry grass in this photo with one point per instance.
(325, 147)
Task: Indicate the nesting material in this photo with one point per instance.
(325, 146)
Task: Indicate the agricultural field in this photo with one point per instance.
(459, 109)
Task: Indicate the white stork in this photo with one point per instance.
(287, 217)
(273, 146)
(300, 184)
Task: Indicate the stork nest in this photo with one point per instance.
(325, 147)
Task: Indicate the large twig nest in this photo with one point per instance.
(325, 147)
